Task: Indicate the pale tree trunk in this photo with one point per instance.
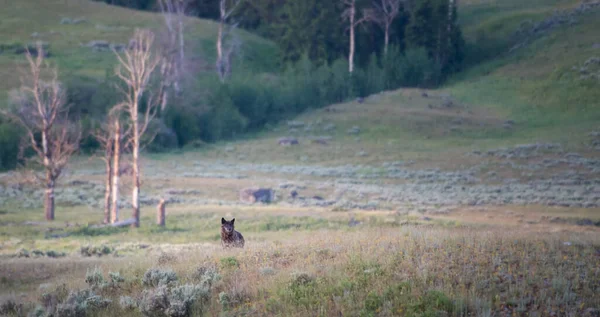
(352, 25)
(108, 189)
(386, 39)
(114, 214)
(160, 213)
(49, 198)
(135, 198)
(181, 40)
(223, 12)
(49, 195)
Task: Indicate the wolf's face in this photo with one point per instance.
(227, 226)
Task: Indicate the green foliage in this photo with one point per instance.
(224, 120)
(373, 304)
(229, 262)
(309, 27)
(92, 250)
(432, 303)
(418, 70)
(433, 26)
(10, 137)
(94, 278)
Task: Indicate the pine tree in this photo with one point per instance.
(419, 31)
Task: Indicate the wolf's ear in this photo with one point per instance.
(232, 220)
(223, 221)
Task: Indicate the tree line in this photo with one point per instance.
(323, 29)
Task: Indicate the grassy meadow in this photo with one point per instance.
(397, 214)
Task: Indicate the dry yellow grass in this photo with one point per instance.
(383, 272)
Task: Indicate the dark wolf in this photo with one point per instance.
(229, 237)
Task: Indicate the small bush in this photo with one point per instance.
(225, 301)
(96, 250)
(154, 302)
(207, 276)
(38, 311)
(127, 303)
(373, 304)
(183, 297)
(10, 306)
(22, 253)
(158, 277)
(176, 303)
(95, 279)
(80, 303)
(229, 262)
(50, 300)
(116, 278)
(300, 279)
(266, 271)
(55, 254)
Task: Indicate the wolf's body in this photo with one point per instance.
(229, 237)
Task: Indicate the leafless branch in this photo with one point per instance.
(39, 106)
(136, 69)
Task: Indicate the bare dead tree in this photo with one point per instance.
(350, 14)
(40, 108)
(116, 166)
(136, 68)
(104, 136)
(223, 64)
(383, 13)
(172, 65)
(110, 137)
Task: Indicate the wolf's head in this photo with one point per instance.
(227, 226)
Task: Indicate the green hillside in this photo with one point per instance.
(537, 74)
(68, 26)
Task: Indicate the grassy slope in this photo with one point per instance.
(535, 85)
(20, 19)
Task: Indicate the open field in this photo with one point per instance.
(481, 198)
(393, 219)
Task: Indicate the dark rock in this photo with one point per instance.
(99, 45)
(287, 141)
(252, 195)
(584, 222)
(448, 103)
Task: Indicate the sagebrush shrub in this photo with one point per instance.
(127, 303)
(158, 277)
(154, 302)
(95, 279)
(10, 306)
(80, 303)
(183, 297)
